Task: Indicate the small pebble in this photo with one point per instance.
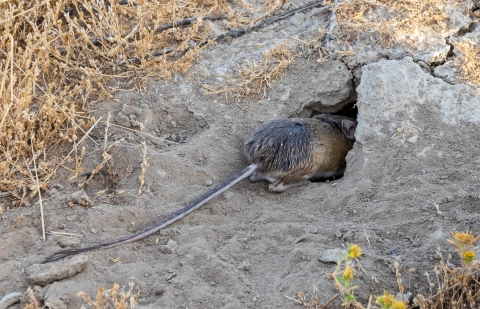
(169, 248)
(412, 139)
(209, 182)
(331, 255)
(245, 266)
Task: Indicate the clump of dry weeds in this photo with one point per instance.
(389, 22)
(254, 78)
(457, 287)
(469, 61)
(57, 56)
(113, 298)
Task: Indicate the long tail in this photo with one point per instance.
(164, 222)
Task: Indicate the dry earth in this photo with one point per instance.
(417, 147)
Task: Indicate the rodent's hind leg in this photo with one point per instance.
(257, 176)
(280, 186)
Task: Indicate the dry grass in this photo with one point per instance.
(389, 22)
(57, 56)
(112, 299)
(469, 61)
(254, 78)
(456, 286)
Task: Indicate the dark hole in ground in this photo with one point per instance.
(349, 110)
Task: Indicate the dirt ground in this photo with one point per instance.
(249, 248)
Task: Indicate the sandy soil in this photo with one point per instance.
(249, 247)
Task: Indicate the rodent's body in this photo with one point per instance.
(291, 151)
(285, 152)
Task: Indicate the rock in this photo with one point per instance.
(404, 297)
(380, 103)
(68, 241)
(348, 236)
(133, 120)
(79, 197)
(436, 239)
(131, 110)
(324, 87)
(122, 120)
(43, 274)
(10, 299)
(412, 139)
(447, 72)
(331, 255)
(244, 266)
(169, 248)
(55, 296)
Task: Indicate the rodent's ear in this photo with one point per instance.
(348, 128)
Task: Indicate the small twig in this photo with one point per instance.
(329, 301)
(106, 130)
(141, 178)
(33, 300)
(63, 233)
(84, 136)
(38, 189)
(295, 300)
(368, 240)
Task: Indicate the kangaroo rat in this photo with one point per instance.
(285, 152)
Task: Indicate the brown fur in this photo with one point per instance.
(319, 146)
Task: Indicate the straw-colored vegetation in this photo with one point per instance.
(57, 58)
(389, 22)
(114, 298)
(469, 61)
(255, 78)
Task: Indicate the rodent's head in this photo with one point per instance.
(333, 126)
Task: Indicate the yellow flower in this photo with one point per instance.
(386, 300)
(354, 251)
(468, 257)
(348, 273)
(465, 238)
(398, 305)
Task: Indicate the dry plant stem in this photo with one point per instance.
(106, 157)
(295, 300)
(106, 130)
(39, 193)
(33, 300)
(141, 178)
(10, 56)
(329, 301)
(63, 233)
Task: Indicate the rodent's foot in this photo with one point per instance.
(280, 186)
(256, 177)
